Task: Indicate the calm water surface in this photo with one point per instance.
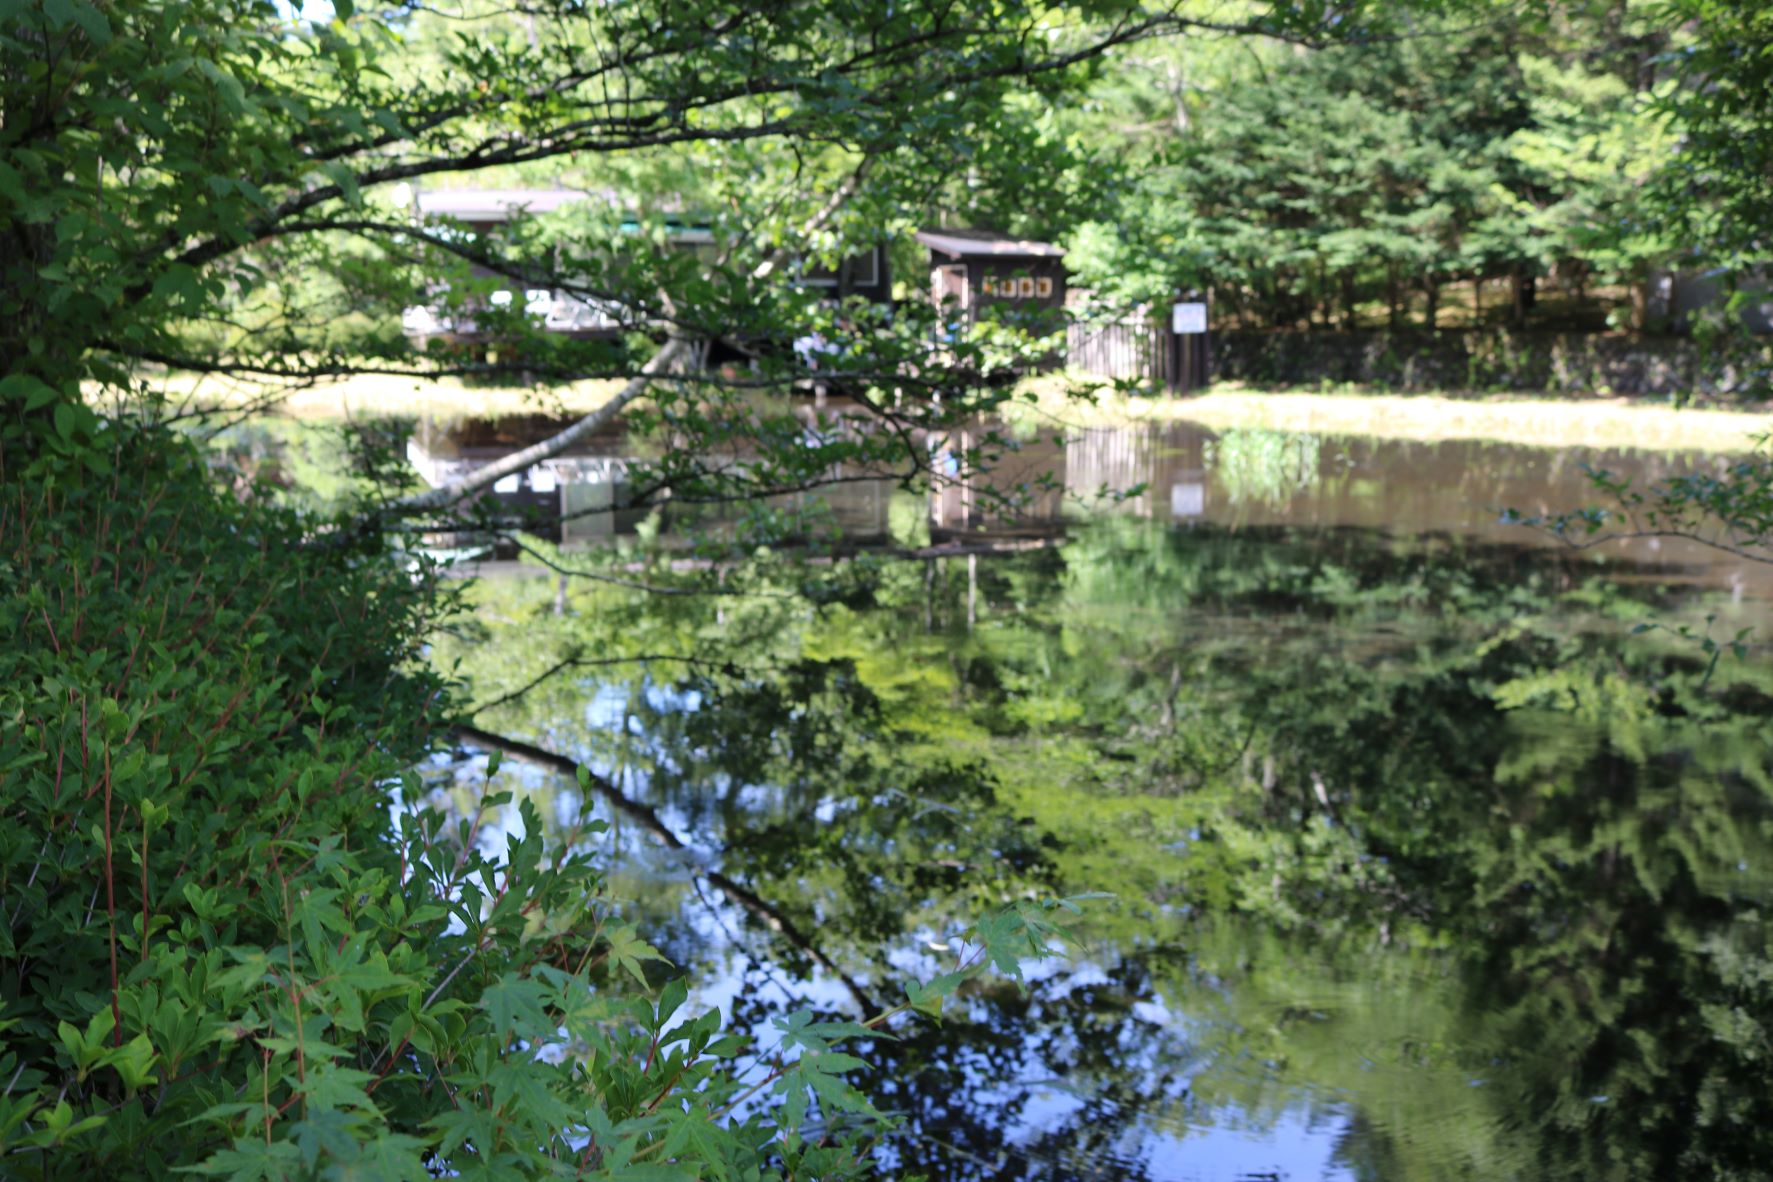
(1428, 858)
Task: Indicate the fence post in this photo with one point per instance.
(1187, 351)
(1173, 377)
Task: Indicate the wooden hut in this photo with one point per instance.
(865, 274)
(977, 268)
(483, 211)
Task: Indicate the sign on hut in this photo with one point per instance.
(975, 268)
(978, 270)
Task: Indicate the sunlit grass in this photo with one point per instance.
(376, 395)
(1342, 410)
(1347, 410)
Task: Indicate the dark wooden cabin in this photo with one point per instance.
(865, 274)
(483, 211)
(977, 268)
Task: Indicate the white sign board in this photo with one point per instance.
(1188, 499)
(1188, 318)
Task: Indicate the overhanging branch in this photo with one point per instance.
(675, 349)
(771, 916)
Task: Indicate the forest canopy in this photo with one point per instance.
(1501, 165)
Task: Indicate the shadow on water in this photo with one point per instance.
(1426, 862)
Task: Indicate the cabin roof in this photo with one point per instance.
(488, 205)
(499, 205)
(968, 244)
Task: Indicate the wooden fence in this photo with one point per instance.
(1128, 349)
(1141, 348)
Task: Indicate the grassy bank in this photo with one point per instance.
(1552, 422)
(373, 395)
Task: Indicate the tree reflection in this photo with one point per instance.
(1414, 833)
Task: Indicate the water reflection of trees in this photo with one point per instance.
(1445, 843)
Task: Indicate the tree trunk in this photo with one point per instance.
(1523, 296)
(1432, 289)
(1394, 311)
(1477, 299)
(1348, 313)
(1177, 89)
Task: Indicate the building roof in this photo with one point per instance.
(495, 205)
(967, 244)
(499, 205)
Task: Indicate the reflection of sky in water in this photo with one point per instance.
(1219, 1143)
(1165, 1132)
(1286, 1128)
(1211, 1145)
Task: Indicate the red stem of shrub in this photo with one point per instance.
(111, 907)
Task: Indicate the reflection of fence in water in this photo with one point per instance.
(1090, 469)
(1110, 460)
(594, 508)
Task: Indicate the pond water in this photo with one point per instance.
(1435, 850)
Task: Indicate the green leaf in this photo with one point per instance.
(521, 1089)
(628, 950)
(34, 392)
(327, 1131)
(711, 1145)
(341, 175)
(91, 21)
(330, 1085)
(133, 1062)
(227, 85)
(388, 1157)
(250, 1160)
(515, 1006)
(671, 998)
(822, 1074)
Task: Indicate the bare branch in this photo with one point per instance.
(772, 916)
(669, 354)
(576, 661)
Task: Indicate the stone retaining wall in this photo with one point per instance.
(1534, 362)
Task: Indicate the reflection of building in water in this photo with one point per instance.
(583, 496)
(1184, 473)
(570, 497)
(1022, 488)
(1077, 473)
(1103, 464)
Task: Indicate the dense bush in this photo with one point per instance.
(219, 951)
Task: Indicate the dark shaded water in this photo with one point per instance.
(1427, 860)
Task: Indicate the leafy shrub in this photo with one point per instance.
(219, 952)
